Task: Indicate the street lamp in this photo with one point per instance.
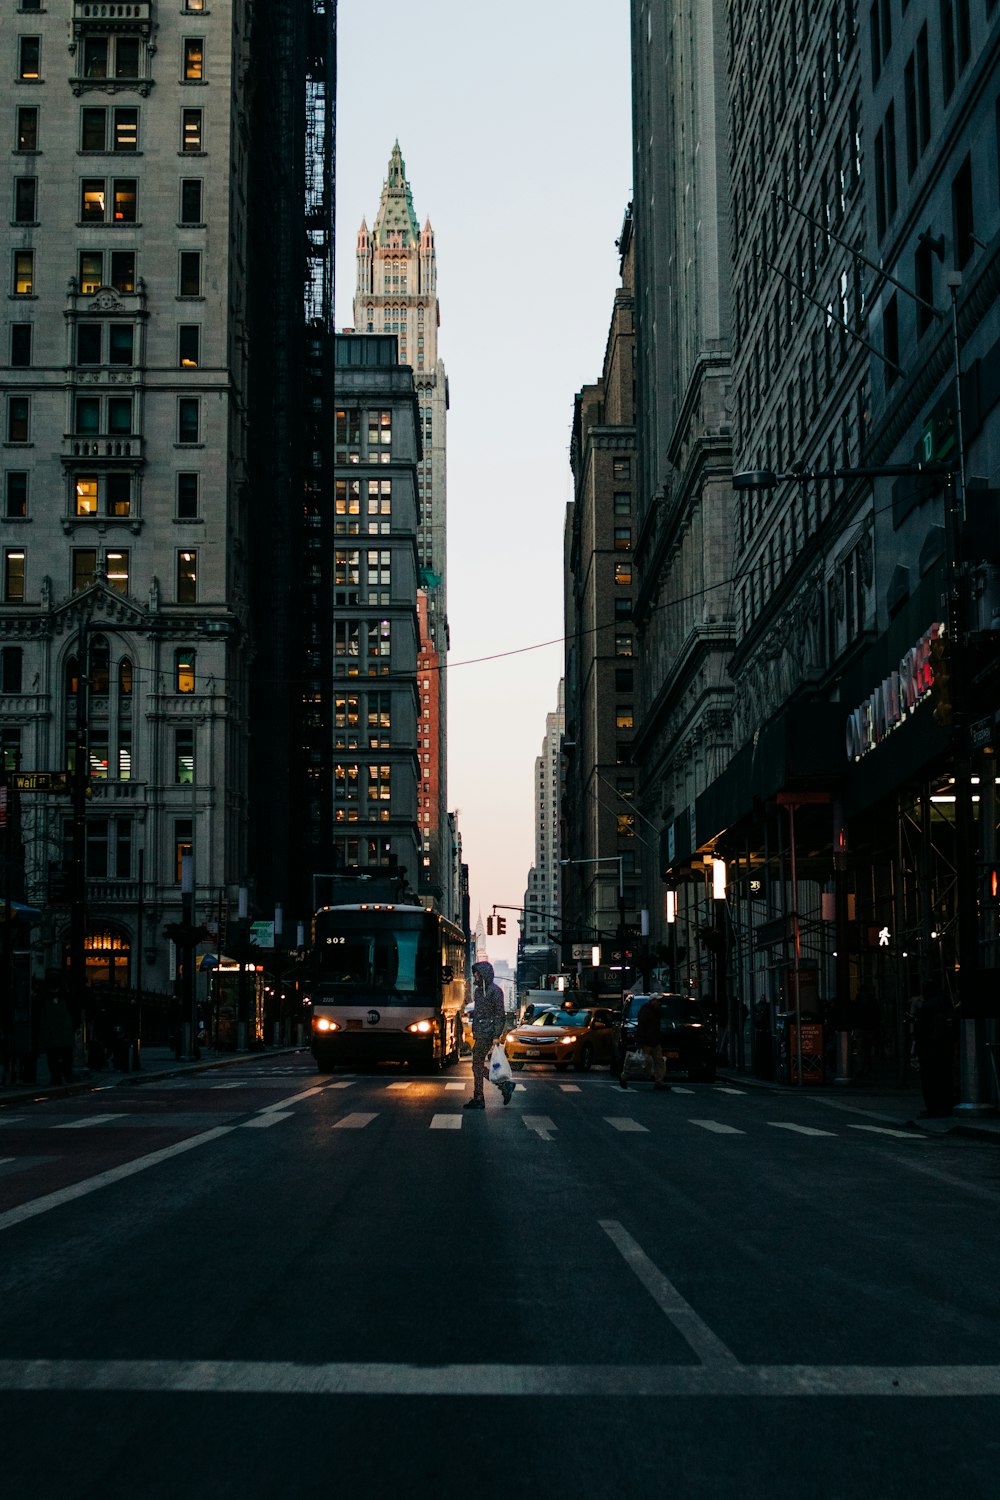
(619, 860)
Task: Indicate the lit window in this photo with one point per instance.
(116, 570)
(86, 493)
(13, 575)
(184, 671)
(24, 273)
(29, 58)
(194, 59)
(191, 132)
(187, 577)
(188, 342)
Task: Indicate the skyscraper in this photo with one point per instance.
(396, 293)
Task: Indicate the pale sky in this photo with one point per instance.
(514, 123)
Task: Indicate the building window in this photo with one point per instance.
(16, 494)
(379, 436)
(624, 718)
(187, 497)
(184, 660)
(623, 680)
(24, 273)
(189, 282)
(621, 468)
(379, 507)
(27, 128)
(623, 538)
(188, 419)
(25, 200)
(121, 338)
(191, 130)
(13, 575)
(183, 845)
(187, 577)
(11, 674)
(188, 345)
(116, 571)
(379, 577)
(623, 504)
(623, 574)
(85, 491)
(84, 562)
(125, 130)
(347, 436)
(623, 643)
(193, 67)
(29, 58)
(18, 418)
(194, 5)
(191, 189)
(184, 756)
(347, 577)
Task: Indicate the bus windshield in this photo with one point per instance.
(378, 958)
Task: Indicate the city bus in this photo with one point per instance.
(388, 984)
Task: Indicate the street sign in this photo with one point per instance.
(40, 781)
(582, 950)
(262, 934)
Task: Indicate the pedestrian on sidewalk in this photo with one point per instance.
(647, 1034)
(489, 1022)
(57, 1034)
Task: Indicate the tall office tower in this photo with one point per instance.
(601, 668)
(396, 293)
(682, 596)
(149, 357)
(376, 641)
(542, 900)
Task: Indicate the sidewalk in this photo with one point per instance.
(880, 1095)
(157, 1063)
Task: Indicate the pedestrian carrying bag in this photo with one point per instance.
(499, 1067)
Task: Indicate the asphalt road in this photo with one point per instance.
(262, 1281)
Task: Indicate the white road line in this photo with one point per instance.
(456, 1087)
(900, 1135)
(446, 1122)
(90, 1120)
(569, 1088)
(622, 1122)
(712, 1379)
(717, 1127)
(540, 1124)
(347, 1083)
(241, 1085)
(5, 1161)
(354, 1122)
(678, 1090)
(405, 1085)
(104, 1179)
(721, 1089)
(708, 1346)
(265, 1118)
(800, 1129)
(295, 1099)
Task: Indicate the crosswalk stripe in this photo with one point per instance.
(446, 1122)
(354, 1122)
(900, 1135)
(90, 1120)
(622, 1122)
(269, 1117)
(678, 1090)
(405, 1085)
(459, 1087)
(569, 1088)
(347, 1083)
(721, 1089)
(799, 1129)
(717, 1128)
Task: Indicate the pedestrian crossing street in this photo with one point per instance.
(434, 1104)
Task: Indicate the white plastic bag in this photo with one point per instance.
(499, 1067)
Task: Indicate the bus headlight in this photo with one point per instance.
(323, 1023)
(423, 1027)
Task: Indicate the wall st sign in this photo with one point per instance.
(894, 698)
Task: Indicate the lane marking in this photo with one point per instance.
(354, 1122)
(456, 1087)
(800, 1129)
(295, 1099)
(900, 1135)
(446, 1122)
(347, 1083)
(405, 1085)
(678, 1090)
(104, 1179)
(569, 1088)
(217, 1086)
(693, 1330)
(261, 1121)
(622, 1122)
(541, 1125)
(721, 1089)
(90, 1120)
(718, 1378)
(717, 1127)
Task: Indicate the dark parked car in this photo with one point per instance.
(687, 1037)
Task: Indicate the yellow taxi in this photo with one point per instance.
(570, 1036)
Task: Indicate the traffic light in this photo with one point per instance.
(941, 685)
(489, 926)
(501, 926)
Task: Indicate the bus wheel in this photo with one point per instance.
(324, 1063)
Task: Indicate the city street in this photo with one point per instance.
(259, 1280)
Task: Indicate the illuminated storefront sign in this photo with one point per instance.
(895, 697)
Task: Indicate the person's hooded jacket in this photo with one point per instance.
(489, 1017)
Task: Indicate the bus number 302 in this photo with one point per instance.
(336, 940)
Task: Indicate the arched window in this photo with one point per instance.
(100, 666)
(125, 678)
(72, 677)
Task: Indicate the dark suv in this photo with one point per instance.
(687, 1037)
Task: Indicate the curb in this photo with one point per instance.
(100, 1083)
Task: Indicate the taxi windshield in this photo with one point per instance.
(560, 1018)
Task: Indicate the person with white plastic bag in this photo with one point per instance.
(489, 1022)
